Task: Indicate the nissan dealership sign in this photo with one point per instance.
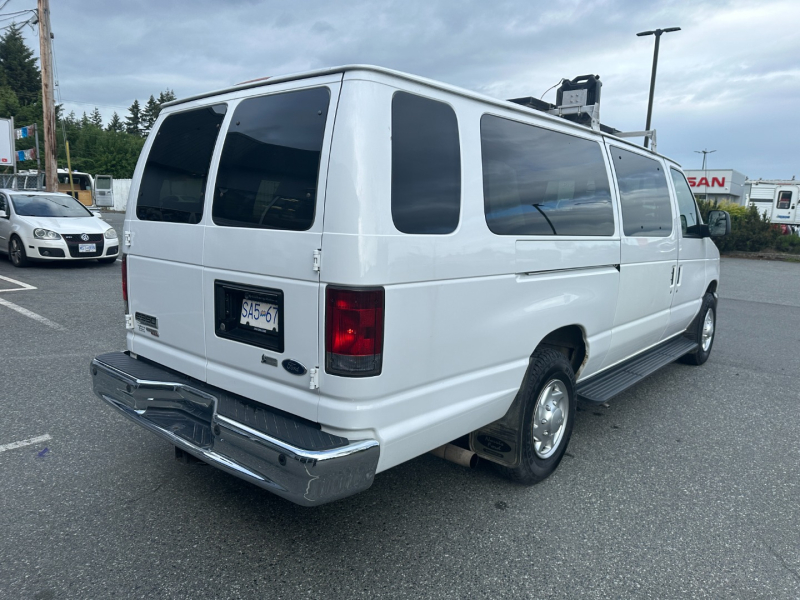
(716, 182)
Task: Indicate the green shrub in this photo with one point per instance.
(750, 231)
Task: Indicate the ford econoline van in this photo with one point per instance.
(331, 273)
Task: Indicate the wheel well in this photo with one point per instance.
(569, 341)
(712, 288)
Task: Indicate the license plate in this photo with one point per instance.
(87, 247)
(261, 315)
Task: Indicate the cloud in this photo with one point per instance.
(729, 80)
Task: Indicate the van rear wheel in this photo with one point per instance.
(549, 413)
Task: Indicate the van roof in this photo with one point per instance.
(266, 81)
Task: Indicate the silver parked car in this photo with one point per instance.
(52, 226)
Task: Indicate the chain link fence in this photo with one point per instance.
(22, 181)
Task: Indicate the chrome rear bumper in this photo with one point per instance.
(185, 413)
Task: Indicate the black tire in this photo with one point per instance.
(107, 260)
(696, 332)
(16, 252)
(548, 370)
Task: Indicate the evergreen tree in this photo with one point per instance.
(166, 96)
(18, 66)
(96, 118)
(115, 124)
(133, 122)
(9, 103)
(150, 114)
(85, 120)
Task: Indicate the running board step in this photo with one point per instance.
(605, 386)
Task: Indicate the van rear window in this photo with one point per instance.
(269, 168)
(542, 182)
(174, 181)
(426, 165)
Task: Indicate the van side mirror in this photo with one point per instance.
(719, 223)
(3, 214)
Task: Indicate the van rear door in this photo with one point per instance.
(163, 239)
(262, 245)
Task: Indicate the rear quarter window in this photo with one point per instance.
(542, 182)
(426, 165)
(269, 168)
(174, 180)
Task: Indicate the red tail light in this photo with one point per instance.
(353, 331)
(125, 278)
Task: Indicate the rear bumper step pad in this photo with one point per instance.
(606, 385)
(281, 453)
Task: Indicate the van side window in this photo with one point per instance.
(690, 218)
(643, 194)
(174, 179)
(784, 200)
(426, 165)
(541, 182)
(3, 203)
(268, 172)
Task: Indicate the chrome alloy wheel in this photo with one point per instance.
(550, 418)
(708, 330)
(16, 251)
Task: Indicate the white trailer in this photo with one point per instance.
(778, 199)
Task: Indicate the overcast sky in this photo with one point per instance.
(729, 81)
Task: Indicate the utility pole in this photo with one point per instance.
(49, 117)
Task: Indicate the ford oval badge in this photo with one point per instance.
(294, 367)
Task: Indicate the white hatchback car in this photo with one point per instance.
(52, 226)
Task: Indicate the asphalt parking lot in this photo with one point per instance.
(685, 486)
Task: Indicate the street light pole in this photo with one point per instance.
(657, 33)
(704, 152)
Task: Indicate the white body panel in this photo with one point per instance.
(445, 371)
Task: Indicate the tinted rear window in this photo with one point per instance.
(541, 182)
(426, 165)
(643, 194)
(174, 180)
(270, 162)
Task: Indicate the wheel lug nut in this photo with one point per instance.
(548, 407)
(544, 421)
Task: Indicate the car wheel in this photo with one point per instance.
(16, 252)
(549, 412)
(704, 330)
(107, 260)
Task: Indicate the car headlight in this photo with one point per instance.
(110, 234)
(45, 234)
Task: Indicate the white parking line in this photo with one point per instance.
(23, 443)
(32, 315)
(23, 286)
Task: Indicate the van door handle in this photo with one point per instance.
(672, 277)
(680, 271)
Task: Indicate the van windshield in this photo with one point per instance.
(40, 205)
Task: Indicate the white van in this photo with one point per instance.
(331, 273)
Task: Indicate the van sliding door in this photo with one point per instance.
(649, 254)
